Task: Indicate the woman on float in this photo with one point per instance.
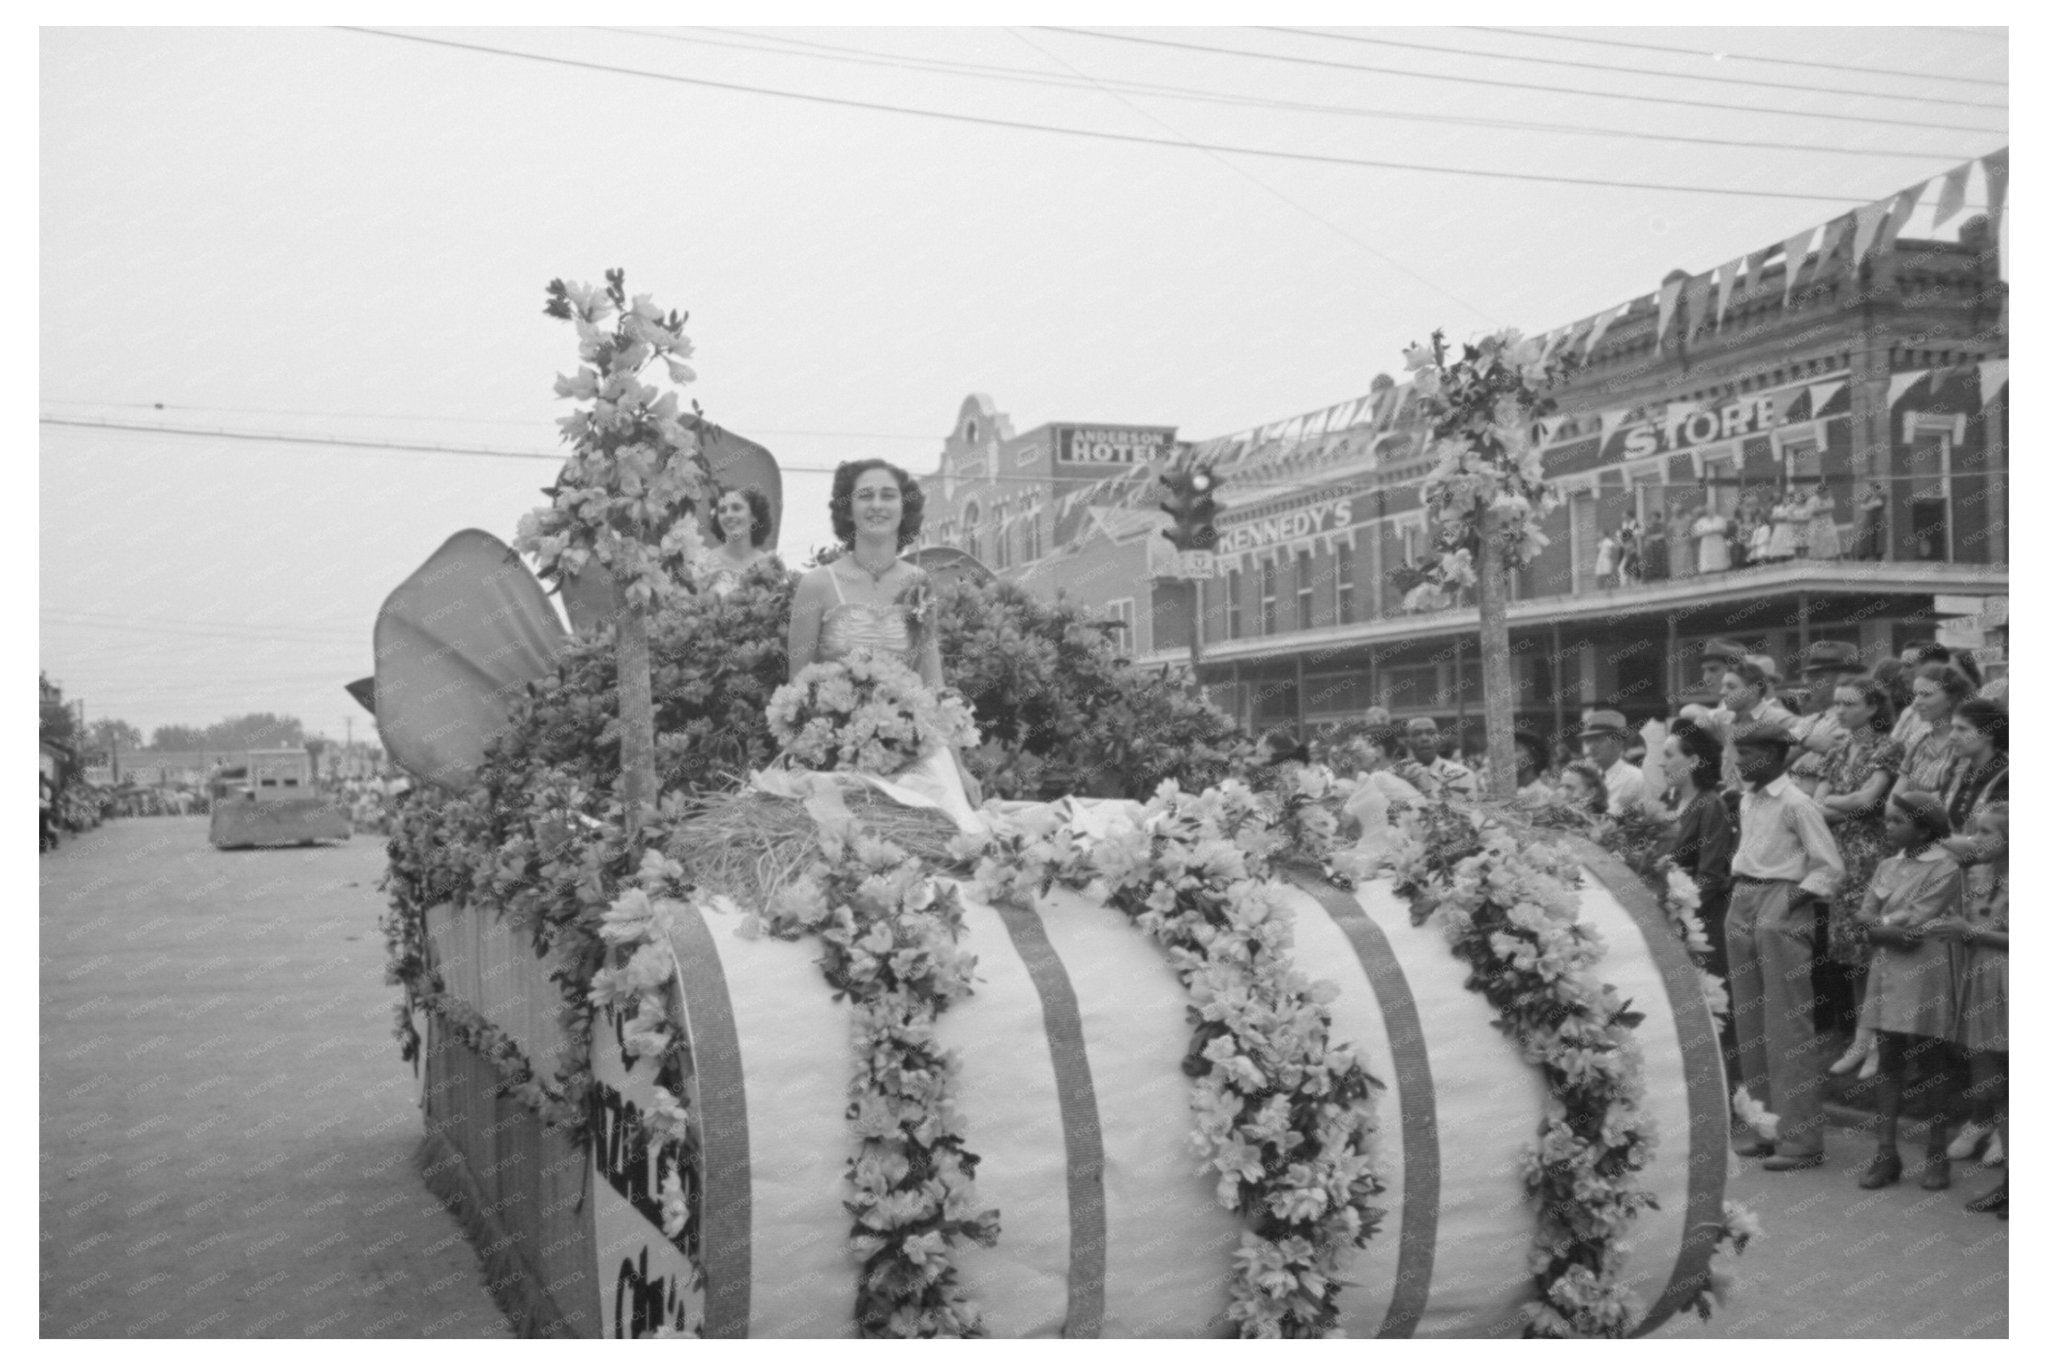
(869, 598)
(740, 524)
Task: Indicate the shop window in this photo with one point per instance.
(1124, 611)
(1304, 590)
(1926, 490)
(1233, 606)
(1269, 597)
(1347, 583)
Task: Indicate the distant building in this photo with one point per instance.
(1889, 369)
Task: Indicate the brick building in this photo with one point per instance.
(1881, 360)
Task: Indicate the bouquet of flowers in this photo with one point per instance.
(866, 714)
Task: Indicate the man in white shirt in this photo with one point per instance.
(1786, 864)
(1449, 776)
(1605, 740)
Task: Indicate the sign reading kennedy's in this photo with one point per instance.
(1110, 447)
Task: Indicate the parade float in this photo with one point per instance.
(781, 1037)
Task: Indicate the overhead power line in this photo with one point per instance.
(1614, 70)
(1580, 37)
(1099, 135)
(1661, 100)
(799, 47)
(444, 417)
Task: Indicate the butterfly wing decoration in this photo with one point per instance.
(944, 564)
(591, 599)
(456, 643)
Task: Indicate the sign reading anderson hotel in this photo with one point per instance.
(1107, 447)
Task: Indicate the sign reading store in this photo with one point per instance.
(1686, 426)
(1111, 447)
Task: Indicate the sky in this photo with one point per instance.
(343, 237)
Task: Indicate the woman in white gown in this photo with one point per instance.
(870, 598)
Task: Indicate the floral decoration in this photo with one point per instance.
(867, 713)
(1482, 409)
(1282, 1113)
(890, 930)
(1509, 909)
(635, 467)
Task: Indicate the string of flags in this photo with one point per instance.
(1359, 426)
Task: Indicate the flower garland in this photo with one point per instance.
(1509, 910)
(1482, 410)
(635, 468)
(1282, 1112)
(867, 713)
(891, 937)
(638, 985)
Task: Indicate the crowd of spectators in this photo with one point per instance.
(1849, 840)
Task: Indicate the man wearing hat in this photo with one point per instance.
(1717, 658)
(1826, 663)
(1604, 740)
(1786, 864)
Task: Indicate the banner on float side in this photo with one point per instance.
(644, 1279)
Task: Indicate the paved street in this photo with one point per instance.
(1837, 1261)
(227, 1132)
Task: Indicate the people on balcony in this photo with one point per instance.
(1711, 530)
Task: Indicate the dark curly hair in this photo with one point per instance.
(1988, 716)
(757, 503)
(1703, 747)
(848, 474)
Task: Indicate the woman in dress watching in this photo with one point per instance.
(1938, 689)
(740, 524)
(1855, 779)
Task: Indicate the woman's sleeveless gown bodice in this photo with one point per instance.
(854, 625)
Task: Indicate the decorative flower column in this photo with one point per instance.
(1486, 495)
(626, 494)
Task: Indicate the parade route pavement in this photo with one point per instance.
(227, 1131)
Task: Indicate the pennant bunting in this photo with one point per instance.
(1901, 210)
(1601, 322)
(1724, 280)
(1611, 420)
(1870, 219)
(1990, 379)
(1697, 290)
(1819, 395)
(1952, 186)
(1901, 381)
(1997, 166)
(1667, 304)
(1831, 237)
(1795, 256)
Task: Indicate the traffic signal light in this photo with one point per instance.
(1190, 501)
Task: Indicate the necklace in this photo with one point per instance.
(875, 576)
